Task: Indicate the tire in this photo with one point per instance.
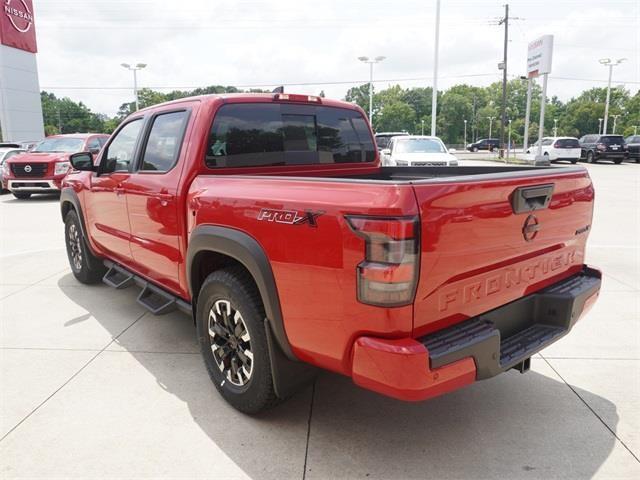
(573, 162)
(590, 158)
(21, 196)
(85, 266)
(474, 149)
(618, 161)
(230, 304)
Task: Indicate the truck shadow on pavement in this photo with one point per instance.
(512, 426)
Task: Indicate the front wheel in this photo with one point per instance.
(474, 149)
(85, 266)
(618, 161)
(21, 196)
(232, 337)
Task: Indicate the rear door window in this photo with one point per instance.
(271, 134)
(164, 142)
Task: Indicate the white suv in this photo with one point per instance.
(558, 148)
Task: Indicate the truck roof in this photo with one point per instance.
(259, 97)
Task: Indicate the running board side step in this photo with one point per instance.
(155, 299)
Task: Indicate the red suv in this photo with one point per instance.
(42, 169)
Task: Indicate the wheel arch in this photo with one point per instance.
(69, 201)
(213, 247)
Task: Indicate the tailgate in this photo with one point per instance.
(488, 241)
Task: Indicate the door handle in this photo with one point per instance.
(164, 198)
(119, 191)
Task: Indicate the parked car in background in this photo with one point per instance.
(484, 144)
(603, 147)
(5, 154)
(417, 151)
(383, 138)
(558, 148)
(633, 146)
(42, 169)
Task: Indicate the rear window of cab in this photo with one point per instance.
(273, 134)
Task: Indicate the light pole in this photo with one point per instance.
(371, 62)
(465, 134)
(490, 124)
(134, 69)
(615, 121)
(555, 127)
(422, 123)
(635, 129)
(599, 125)
(434, 92)
(607, 62)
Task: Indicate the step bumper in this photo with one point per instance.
(479, 348)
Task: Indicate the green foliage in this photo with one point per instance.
(399, 109)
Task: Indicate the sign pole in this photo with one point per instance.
(527, 115)
(543, 100)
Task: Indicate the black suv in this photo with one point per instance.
(633, 144)
(603, 147)
(484, 144)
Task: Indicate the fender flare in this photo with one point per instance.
(69, 200)
(246, 250)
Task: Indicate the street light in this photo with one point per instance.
(134, 69)
(599, 125)
(371, 62)
(490, 123)
(607, 62)
(635, 129)
(555, 127)
(615, 121)
(465, 134)
(422, 122)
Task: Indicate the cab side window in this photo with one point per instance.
(165, 140)
(119, 155)
(547, 141)
(94, 145)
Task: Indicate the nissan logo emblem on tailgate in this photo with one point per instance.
(530, 228)
(27, 168)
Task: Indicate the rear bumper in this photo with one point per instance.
(36, 185)
(479, 348)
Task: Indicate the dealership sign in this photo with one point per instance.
(16, 25)
(539, 56)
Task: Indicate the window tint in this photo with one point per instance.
(102, 141)
(119, 154)
(547, 141)
(612, 139)
(165, 140)
(94, 144)
(567, 143)
(274, 134)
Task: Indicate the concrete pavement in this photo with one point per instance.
(91, 386)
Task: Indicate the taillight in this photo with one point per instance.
(601, 146)
(389, 272)
(291, 97)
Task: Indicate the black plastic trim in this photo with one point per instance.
(507, 336)
(247, 251)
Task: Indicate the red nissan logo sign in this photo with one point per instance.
(19, 14)
(17, 28)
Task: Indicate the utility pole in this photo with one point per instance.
(555, 127)
(504, 21)
(59, 119)
(607, 62)
(434, 93)
(465, 134)
(490, 124)
(600, 126)
(422, 123)
(527, 114)
(635, 129)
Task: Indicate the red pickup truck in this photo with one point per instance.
(42, 169)
(269, 219)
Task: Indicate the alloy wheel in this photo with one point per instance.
(230, 343)
(75, 247)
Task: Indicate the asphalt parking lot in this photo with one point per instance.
(92, 386)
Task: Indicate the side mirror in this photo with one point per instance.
(385, 151)
(82, 161)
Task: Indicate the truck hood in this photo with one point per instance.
(40, 157)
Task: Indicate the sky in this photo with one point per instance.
(314, 45)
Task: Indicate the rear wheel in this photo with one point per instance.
(590, 158)
(574, 161)
(85, 266)
(21, 196)
(232, 337)
(618, 161)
